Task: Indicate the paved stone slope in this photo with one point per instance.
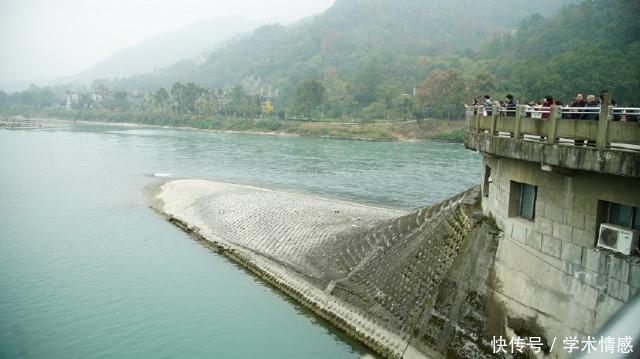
(396, 281)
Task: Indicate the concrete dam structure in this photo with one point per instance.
(409, 285)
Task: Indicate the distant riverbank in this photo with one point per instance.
(434, 130)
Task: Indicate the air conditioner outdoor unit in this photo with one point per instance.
(617, 238)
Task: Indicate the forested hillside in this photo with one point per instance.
(366, 52)
(363, 59)
(587, 47)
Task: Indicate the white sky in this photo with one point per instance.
(45, 39)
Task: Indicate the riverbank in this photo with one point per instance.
(432, 130)
(326, 253)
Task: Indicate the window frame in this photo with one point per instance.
(634, 216)
(532, 208)
(516, 197)
(488, 179)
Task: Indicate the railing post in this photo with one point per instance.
(467, 119)
(476, 119)
(494, 120)
(603, 124)
(518, 122)
(553, 125)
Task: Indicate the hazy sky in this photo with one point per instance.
(44, 39)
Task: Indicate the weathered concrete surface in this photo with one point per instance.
(549, 272)
(407, 285)
(615, 162)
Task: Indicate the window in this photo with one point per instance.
(527, 201)
(625, 216)
(487, 181)
(522, 200)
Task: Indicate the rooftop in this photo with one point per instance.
(605, 140)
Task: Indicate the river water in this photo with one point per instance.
(88, 271)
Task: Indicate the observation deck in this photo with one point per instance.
(602, 139)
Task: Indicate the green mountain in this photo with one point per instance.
(585, 48)
(363, 43)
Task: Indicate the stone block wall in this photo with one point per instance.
(550, 269)
(425, 276)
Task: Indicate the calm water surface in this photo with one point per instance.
(88, 271)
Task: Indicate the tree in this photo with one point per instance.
(443, 89)
(191, 93)
(267, 107)
(483, 83)
(239, 100)
(406, 106)
(339, 99)
(206, 103)
(308, 97)
(161, 99)
(121, 99)
(367, 80)
(177, 92)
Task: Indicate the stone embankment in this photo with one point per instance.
(408, 285)
(19, 122)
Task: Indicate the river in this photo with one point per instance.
(87, 270)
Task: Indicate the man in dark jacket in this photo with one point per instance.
(511, 105)
(591, 102)
(579, 102)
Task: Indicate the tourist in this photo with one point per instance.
(592, 113)
(548, 102)
(497, 106)
(579, 102)
(536, 109)
(488, 105)
(511, 105)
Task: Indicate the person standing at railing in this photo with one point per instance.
(511, 105)
(579, 102)
(497, 107)
(534, 110)
(548, 102)
(488, 105)
(591, 113)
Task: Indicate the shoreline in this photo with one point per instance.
(289, 280)
(406, 131)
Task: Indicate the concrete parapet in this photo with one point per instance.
(615, 162)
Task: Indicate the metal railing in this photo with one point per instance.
(606, 126)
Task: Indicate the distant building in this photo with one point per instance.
(96, 97)
(71, 100)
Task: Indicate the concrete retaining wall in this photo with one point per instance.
(549, 271)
